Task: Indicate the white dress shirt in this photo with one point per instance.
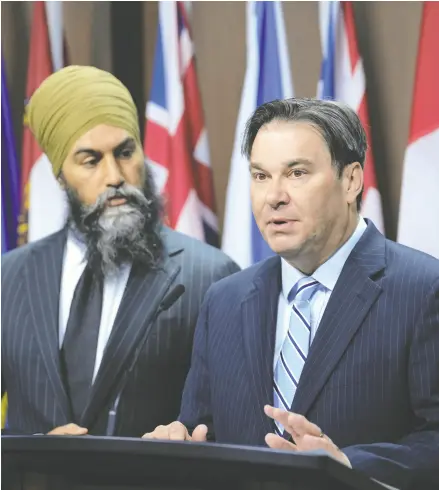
(327, 275)
(114, 287)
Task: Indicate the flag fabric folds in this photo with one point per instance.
(419, 206)
(176, 144)
(342, 78)
(43, 208)
(267, 77)
(10, 190)
(10, 173)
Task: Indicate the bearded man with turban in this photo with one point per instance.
(83, 347)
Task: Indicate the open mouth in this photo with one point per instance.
(282, 224)
(116, 201)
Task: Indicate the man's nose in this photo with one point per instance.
(114, 176)
(276, 194)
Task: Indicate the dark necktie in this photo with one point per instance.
(78, 353)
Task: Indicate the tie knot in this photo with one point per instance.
(304, 289)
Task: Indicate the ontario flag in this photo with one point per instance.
(43, 209)
(342, 78)
(176, 145)
(419, 207)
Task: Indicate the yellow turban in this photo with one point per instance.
(71, 102)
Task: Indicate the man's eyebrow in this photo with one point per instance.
(289, 164)
(256, 166)
(126, 142)
(298, 161)
(119, 147)
(89, 151)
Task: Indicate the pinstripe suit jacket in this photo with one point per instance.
(38, 402)
(371, 379)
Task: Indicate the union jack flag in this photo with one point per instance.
(342, 78)
(176, 145)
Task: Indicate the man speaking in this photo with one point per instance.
(98, 319)
(334, 343)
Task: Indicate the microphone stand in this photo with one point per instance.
(169, 300)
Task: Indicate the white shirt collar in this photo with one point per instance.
(329, 272)
(76, 249)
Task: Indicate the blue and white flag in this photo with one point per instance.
(268, 77)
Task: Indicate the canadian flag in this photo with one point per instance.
(44, 205)
(419, 206)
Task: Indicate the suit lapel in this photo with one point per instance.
(354, 294)
(43, 283)
(259, 315)
(143, 294)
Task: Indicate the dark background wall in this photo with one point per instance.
(387, 33)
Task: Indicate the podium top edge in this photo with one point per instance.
(207, 450)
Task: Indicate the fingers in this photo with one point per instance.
(175, 431)
(68, 430)
(78, 431)
(312, 443)
(276, 442)
(302, 426)
(178, 432)
(295, 424)
(160, 432)
(199, 434)
(280, 416)
(307, 436)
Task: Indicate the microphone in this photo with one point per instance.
(170, 299)
(165, 304)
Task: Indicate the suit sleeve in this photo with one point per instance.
(417, 452)
(196, 403)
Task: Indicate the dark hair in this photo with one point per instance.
(337, 123)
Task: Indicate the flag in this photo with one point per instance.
(43, 208)
(267, 77)
(419, 207)
(10, 189)
(10, 173)
(176, 145)
(342, 78)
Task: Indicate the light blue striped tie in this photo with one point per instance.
(295, 347)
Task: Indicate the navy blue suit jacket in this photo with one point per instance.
(371, 380)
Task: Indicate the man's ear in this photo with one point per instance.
(61, 181)
(354, 181)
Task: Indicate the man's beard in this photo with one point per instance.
(121, 234)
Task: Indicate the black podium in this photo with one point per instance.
(86, 463)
